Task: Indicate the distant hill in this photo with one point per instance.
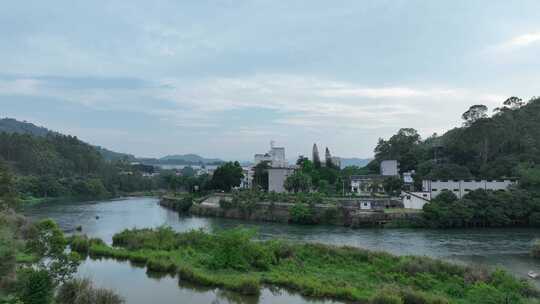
(190, 158)
(353, 161)
(10, 125)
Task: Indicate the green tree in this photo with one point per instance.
(298, 182)
(260, 175)
(48, 243)
(474, 114)
(227, 176)
(393, 185)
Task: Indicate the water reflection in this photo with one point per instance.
(138, 286)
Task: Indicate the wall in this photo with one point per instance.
(276, 179)
(461, 187)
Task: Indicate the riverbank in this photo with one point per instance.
(344, 212)
(34, 201)
(232, 260)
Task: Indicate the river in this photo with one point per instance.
(506, 248)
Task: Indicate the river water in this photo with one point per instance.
(505, 248)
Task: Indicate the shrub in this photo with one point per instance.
(330, 214)
(35, 287)
(82, 291)
(386, 297)
(226, 204)
(184, 204)
(79, 243)
(301, 213)
(482, 293)
(7, 254)
(534, 219)
(234, 250)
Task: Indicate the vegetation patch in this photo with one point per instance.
(235, 260)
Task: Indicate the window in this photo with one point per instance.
(408, 197)
(424, 195)
(434, 190)
(456, 190)
(467, 190)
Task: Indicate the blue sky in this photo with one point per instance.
(223, 78)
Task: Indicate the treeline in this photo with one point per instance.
(505, 145)
(484, 147)
(57, 165)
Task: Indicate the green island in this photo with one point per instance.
(234, 260)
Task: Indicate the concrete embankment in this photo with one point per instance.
(345, 213)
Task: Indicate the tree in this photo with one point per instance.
(392, 185)
(514, 102)
(403, 147)
(8, 196)
(48, 243)
(260, 175)
(298, 182)
(474, 113)
(227, 176)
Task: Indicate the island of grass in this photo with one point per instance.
(234, 260)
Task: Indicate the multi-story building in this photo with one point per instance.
(461, 187)
(275, 157)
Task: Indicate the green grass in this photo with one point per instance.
(233, 260)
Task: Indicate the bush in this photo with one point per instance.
(482, 293)
(534, 219)
(301, 213)
(35, 287)
(386, 297)
(233, 249)
(7, 254)
(184, 204)
(82, 291)
(79, 243)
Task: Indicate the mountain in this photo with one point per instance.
(189, 158)
(353, 161)
(10, 126)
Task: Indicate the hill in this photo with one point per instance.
(484, 147)
(10, 126)
(358, 162)
(190, 158)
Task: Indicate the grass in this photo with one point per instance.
(233, 260)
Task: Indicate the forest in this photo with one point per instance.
(56, 165)
(503, 145)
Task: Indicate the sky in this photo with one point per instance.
(224, 78)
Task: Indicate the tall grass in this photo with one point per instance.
(234, 260)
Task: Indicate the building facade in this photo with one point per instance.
(367, 184)
(389, 168)
(415, 200)
(277, 177)
(461, 187)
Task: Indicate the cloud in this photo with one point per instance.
(296, 101)
(519, 42)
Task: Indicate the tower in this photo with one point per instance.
(315, 157)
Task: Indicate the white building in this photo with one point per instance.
(277, 177)
(461, 187)
(389, 168)
(247, 180)
(415, 200)
(276, 157)
(367, 184)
